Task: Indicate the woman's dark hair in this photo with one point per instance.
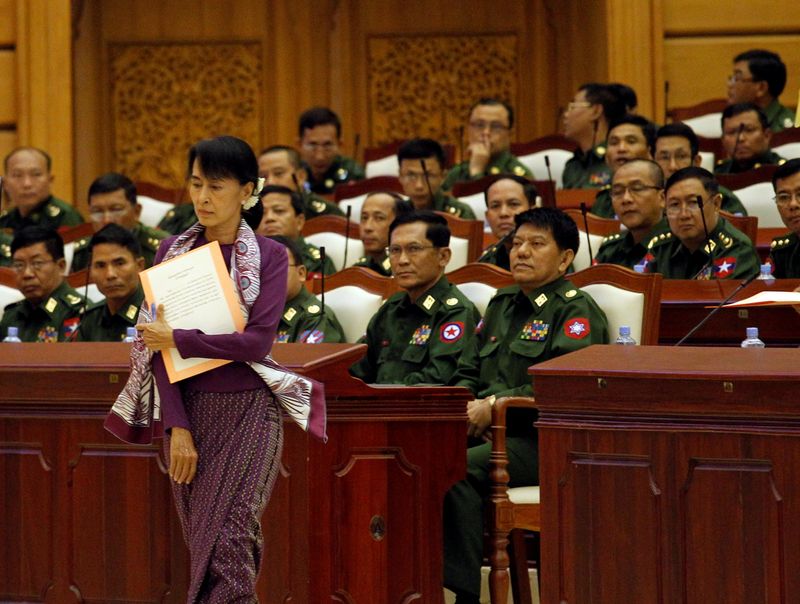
(228, 157)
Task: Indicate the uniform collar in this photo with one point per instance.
(539, 297)
(129, 310)
(432, 298)
(52, 302)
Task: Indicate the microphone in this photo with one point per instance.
(707, 237)
(427, 179)
(322, 283)
(296, 183)
(356, 145)
(666, 101)
(714, 310)
(346, 234)
(736, 145)
(584, 212)
(310, 331)
(547, 165)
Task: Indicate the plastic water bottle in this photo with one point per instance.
(752, 340)
(13, 334)
(130, 334)
(766, 274)
(625, 336)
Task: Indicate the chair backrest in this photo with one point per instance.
(335, 247)
(385, 166)
(462, 190)
(466, 240)
(479, 282)
(709, 125)
(746, 224)
(708, 160)
(626, 297)
(69, 252)
(788, 150)
(8, 291)
(73, 233)
(159, 193)
(582, 259)
(754, 189)
(334, 224)
(704, 118)
(536, 163)
(78, 281)
(153, 210)
(786, 143)
(597, 225)
(572, 198)
(478, 293)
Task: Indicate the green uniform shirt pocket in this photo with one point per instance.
(530, 349)
(488, 349)
(415, 354)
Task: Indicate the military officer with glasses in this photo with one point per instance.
(637, 193)
(488, 152)
(692, 208)
(418, 334)
(759, 77)
(745, 138)
(784, 254)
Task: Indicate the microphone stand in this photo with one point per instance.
(346, 234)
(427, 180)
(547, 165)
(584, 212)
(707, 237)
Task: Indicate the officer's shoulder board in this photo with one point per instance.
(81, 243)
(613, 237)
(5, 250)
(658, 240)
(782, 242)
(72, 300)
(313, 251)
(725, 239)
(318, 206)
(53, 210)
(569, 293)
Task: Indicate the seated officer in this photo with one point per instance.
(686, 252)
(423, 186)
(759, 77)
(51, 309)
(112, 199)
(505, 198)
(379, 210)
(630, 137)
(637, 193)
(541, 317)
(303, 320)
(281, 165)
(116, 262)
(489, 135)
(319, 139)
(785, 253)
(677, 147)
(27, 184)
(418, 334)
(283, 215)
(585, 121)
(745, 138)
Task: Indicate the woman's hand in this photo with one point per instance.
(158, 334)
(182, 456)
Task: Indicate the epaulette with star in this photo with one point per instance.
(81, 243)
(781, 242)
(612, 237)
(53, 210)
(659, 239)
(725, 240)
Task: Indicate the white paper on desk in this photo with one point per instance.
(769, 298)
(197, 293)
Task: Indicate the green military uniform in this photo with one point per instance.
(99, 325)
(384, 267)
(728, 255)
(497, 254)
(450, 205)
(779, 117)
(602, 205)
(518, 331)
(177, 220)
(417, 342)
(343, 169)
(314, 205)
(304, 322)
(53, 320)
(620, 248)
(51, 213)
(587, 170)
(731, 203)
(148, 239)
(312, 259)
(728, 166)
(5, 248)
(504, 163)
(784, 256)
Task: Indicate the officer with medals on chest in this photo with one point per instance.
(51, 309)
(418, 334)
(784, 254)
(377, 213)
(541, 317)
(505, 198)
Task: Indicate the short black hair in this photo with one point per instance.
(647, 127)
(656, 173)
(528, 188)
(491, 101)
(401, 204)
(297, 201)
(292, 246)
(291, 152)
(31, 235)
(739, 108)
(625, 94)
(603, 94)
(678, 129)
(117, 235)
(785, 170)
(765, 66)
(563, 228)
(319, 116)
(113, 181)
(47, 159)
(421, 148)
(438, 233)
(710, 183)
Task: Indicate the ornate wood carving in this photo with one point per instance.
(425, 85)
(165, 97)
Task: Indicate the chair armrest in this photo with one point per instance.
(498, 458)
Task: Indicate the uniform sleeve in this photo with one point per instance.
(366, 368)
(468, 369)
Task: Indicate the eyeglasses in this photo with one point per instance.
(97, 215)
(577, 104)
(636, 189)
(738, 77)
(418, 176)
(678, 157)
(494, 127)
(784, 199)
(36, 265)
(676, 207)
(313, 147)
(411, 250)
(745, 130)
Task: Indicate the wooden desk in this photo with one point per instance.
(88, 518)
(670, 476)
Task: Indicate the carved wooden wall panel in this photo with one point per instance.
(164, 97)
(425, 85)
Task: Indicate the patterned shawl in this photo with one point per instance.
(135, 417)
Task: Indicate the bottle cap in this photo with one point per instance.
(624, 330)
(752, 333)
(13, 331)
(131, 332)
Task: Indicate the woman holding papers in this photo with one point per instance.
(222, 428)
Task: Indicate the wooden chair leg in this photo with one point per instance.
(498, 568)
(520, 581)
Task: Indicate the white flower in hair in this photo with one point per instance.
(253, 199)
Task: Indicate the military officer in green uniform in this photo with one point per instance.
(759, 77)
(178, 219)
(505, 198)
(281, 165)
(422, 171)
(319, 140)
(489, 132)
(637, 193)
(745, 138)
(112, 199)
(51, 309)
(418, 334)
(116, 262)
(304, 321)
(685, 252)
(541, 317)
(283, 215)
(377, 213)
(27, 183)
(784, 254)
